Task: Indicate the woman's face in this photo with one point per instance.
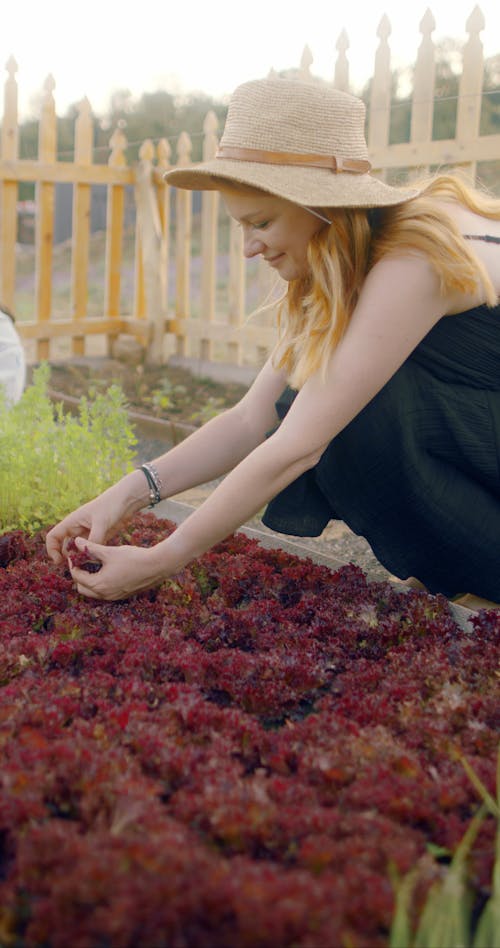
(274, 228)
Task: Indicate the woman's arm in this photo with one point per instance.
(399, 304)
(205, 455)
(223, 442)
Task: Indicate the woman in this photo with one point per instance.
(386, 376)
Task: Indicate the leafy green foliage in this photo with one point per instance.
(447, 915)
(163, 397)
(51, 461)
(212, 407)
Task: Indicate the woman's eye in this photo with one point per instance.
(261, 225)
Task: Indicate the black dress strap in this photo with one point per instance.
(489, 238)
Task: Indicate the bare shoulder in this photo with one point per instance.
(475, 227)
(471, 223)
(404, 279)
(411, 274)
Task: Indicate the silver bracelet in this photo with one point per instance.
(154, 483)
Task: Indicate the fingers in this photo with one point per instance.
(54, 542)
(88, 593)
(57, 539)
(90, 586)
(97, 534)
(94, 548)
(87, 582)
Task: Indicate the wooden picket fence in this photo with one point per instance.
(167, 323)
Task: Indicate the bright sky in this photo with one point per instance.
(94, 48)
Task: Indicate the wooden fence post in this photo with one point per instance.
(380, 96)
(423, 92)
(183, 221)
(163, 202)
(114, 231)
(81, 224)
(8, 191)
(306, 62)
(471, 86)
(341, 77)
(209, 220)
(44, 228)
(150, 240)
(236, 287)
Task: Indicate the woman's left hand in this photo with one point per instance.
(125, 570)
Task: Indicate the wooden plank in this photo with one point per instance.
(223, 332)
(209, 221)
(90, 325)
(183, 222)
(8, 233)
(163, 201)
(422, 108)
(341, 77)
(447, 152)
(81, 224)
(44, 226)
(29, 170)
(139, 290)
(114, 231)
(148, 218)
(471, 86)
(236, 288)
(380, 96)
(8, 192)
(114, 235)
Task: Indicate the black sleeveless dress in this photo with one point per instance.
(417, 472)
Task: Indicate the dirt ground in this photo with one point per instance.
(169, 392)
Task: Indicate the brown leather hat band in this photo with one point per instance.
(353, 165)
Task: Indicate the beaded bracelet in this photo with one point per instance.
(154, 483)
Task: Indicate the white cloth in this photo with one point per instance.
(12, 360)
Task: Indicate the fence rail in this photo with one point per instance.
(182, 300)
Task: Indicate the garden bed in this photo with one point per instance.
(171, 393)
(251, 755)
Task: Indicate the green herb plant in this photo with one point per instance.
(164, 397)
(212, 407)
(52, 461)
(446, 919)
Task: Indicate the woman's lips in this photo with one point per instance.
(272, 261)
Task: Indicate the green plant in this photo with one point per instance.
(51, 462)
(446, 918)
(212, 407)
(163, 397)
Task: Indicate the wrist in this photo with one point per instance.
(136, 489)
(154, 482)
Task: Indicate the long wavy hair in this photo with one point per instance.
(316, 309)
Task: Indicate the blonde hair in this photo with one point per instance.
(315, 311)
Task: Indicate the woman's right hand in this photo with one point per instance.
(96, 519)
(90, 521)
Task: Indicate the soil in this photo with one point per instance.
(168, 392)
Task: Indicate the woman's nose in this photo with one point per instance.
(252, 245)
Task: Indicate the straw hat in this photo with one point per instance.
(301, 141)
